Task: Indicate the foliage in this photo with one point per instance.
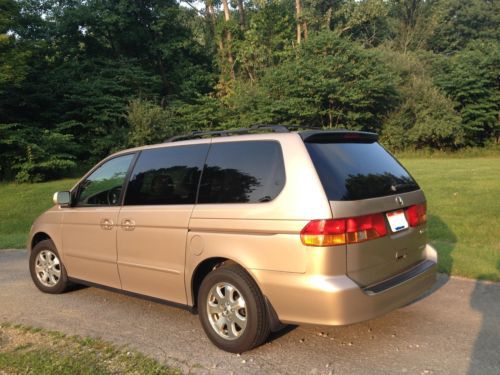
(425, 116)
(32, 155)
(464, 22)
(148, 123)
(327, 82)
(471, 77)
(82, 78)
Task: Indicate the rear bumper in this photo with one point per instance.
(337, 300)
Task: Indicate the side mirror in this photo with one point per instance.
(62, 198)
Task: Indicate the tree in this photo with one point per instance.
(229, 39)
(330, 82)
(114, 73)
(471, 78)
(300, 22)
(414, 22)
(13, 55)
(425, 116)
(463, 22)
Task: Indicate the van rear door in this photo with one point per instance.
(361, 179)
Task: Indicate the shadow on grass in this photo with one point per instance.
(485, 358)
(444, 240)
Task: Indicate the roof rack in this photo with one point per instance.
(224, 133)
(309, 133)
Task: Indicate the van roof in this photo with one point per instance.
(308, 134)
(311, 135)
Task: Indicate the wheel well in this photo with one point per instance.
(40, 236)
(202, 270)
(208, 265)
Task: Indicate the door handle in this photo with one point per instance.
(106, 224)
(128, 224)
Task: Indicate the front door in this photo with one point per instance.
(89, 234)
(154, 219)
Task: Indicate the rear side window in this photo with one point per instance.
(352, 171)
(166, 176)
(242, 172)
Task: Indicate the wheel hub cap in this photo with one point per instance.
(47, 268)
(227, 311)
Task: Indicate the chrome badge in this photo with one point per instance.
(399, 200)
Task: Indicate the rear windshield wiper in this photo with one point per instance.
(397, 187)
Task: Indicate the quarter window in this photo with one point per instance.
(103, 187)
(242, 172)
(167, 175)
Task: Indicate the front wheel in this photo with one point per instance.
(232, 310)
(46, 268)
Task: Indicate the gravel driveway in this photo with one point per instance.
(455, 330)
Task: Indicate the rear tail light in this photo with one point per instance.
(334, 232)
(417, 214)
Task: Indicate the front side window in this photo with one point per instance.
(167, 175)
(242, 172)
(103, 187)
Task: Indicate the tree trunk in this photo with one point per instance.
(298, 14)
(328, 18)
(301, 24)
(229, 38)
(211, 14)
(241, 11)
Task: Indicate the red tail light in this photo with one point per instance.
(417, 214)
(334, 232)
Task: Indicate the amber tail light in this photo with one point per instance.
(333, 232)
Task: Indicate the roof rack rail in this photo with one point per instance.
(224, 133)
(308, 130)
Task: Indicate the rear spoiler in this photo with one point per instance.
(338, 136)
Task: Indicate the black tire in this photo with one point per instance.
(62, 283)
(257, 326)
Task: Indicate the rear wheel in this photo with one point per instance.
(232, 310)
(46, 268)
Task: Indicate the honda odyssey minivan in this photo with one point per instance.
(250, 228)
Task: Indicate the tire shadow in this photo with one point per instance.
(282, 332)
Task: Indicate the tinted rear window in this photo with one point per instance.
(166, 176)
(242, 172)
(352, 171)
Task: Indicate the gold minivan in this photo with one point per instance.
(251, 228)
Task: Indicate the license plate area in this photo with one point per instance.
(397, 220)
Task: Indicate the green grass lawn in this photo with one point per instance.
(25, 350)
(463, 196)
(463, 203)
(20, 204)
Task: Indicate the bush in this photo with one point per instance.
(33, 155)
(425, 117)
